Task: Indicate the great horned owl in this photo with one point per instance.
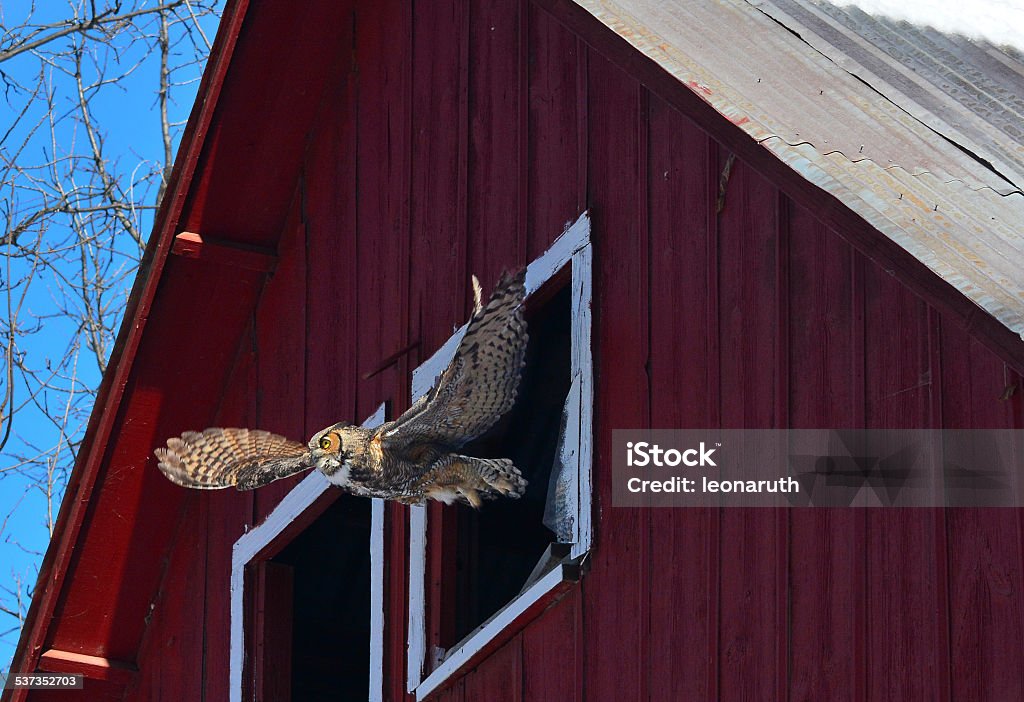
(410, 459)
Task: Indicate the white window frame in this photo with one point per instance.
(571, 248)
(252, 546)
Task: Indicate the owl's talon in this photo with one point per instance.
(473, 497)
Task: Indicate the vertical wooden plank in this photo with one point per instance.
(498, 677)
(329, 213)
(985, 545)
(752, 569)
(228, 514)
(906, 659)
(615, 597)
(272, 623)
(381, 265)
(858, 375)
(496, 169)
(145, 687)
(827, 545)
(396, 597)
(684, 542)
(280, 352)
(549, 654)
(939, 524)
(555, 193)
(438, 297)
(899, 378)
(822, 344)
(172, 642)
(455, 693)
(781, 370)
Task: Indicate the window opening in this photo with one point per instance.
(513, 558)
(329, 563)
(307, 597)
(499, 546)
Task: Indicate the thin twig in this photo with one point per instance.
(67, 28)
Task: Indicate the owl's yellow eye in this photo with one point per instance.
(330, 442)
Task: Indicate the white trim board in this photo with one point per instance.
(417, 645)
(582, 392)
(572, 246)
(489, 634)
(377, 599)
(255, 542)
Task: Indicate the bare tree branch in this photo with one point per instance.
(59, 30)
(79, 186)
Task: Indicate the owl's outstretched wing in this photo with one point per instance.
(480, 383)
(219, 458)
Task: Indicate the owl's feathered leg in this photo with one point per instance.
(471, 480)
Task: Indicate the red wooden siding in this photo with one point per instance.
(687, 562)
(458, 137)
(614, 608)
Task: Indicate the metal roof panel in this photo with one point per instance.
(916, 154)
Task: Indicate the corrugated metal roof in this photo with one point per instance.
(965, 89)
(916, 131)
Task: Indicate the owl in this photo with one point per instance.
(411, 459)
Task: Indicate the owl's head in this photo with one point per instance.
(331, 448)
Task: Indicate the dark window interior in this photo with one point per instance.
(498, 547)
(330, 643)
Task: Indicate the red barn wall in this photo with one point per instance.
(459, 137)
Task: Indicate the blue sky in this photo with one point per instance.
(127, 115)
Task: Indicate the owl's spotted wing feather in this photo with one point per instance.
(219, 458)
(480, 383)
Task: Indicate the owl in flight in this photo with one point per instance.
(410, 459)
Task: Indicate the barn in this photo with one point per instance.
(773, 214)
